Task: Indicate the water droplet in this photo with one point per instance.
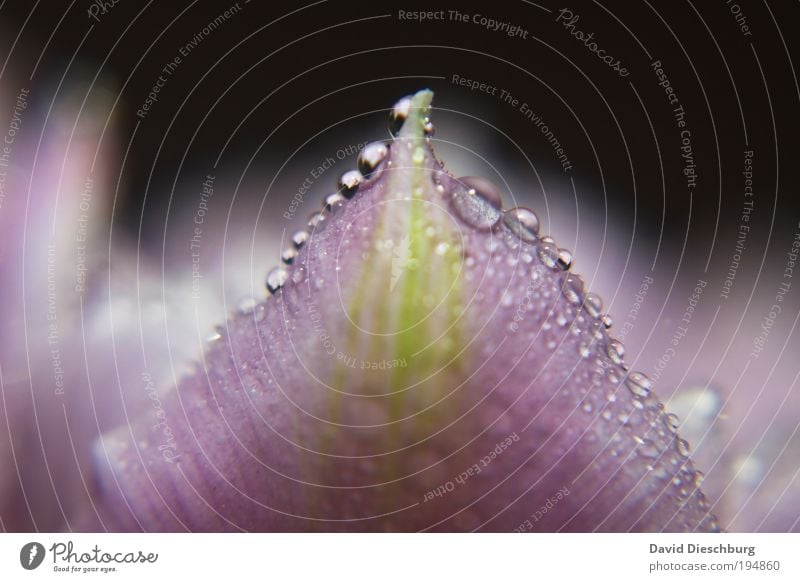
(334, 202)
(597, 330)
(548, 239)
(573, 289)
(288, 255)
(484, 188)
(246, 306)
(371, 156)
(593, 304)
(523, 222)
(474, 209)
(699, 477)
(299, 238)
(318, 220)
(682, 447)
(276, 279)
(639, 384)
(584, 350)
(548, 254)
(672, 422)
(615, 350)
(214, 336)
(647, 448)
(261, 312)
(349, 183)
(564, 259)
(607, 321)
(660, 472)
(427, 127)
(587, 407)
(399, 114)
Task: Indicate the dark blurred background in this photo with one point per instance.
(280, 77)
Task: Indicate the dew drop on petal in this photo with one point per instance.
(647, 448)
(260, 312)
(399, 114)
(246, 306)
(484, 188)
(523, 222)
(573, 289)
(672, 422)
(593, 305)
(615, 350)
(276, 279)
(564, 259)
(660, 472)
(537, 275)
(298, 275)
(299, 238)
(288, 255)
(334, 202)
(349, 183)
(475, 210)
(318, 220)
(548, 254)
(428, 127)
(371, 156)
(699, 477)
(682, 447)
(639, 384)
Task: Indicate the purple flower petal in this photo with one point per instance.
(427, 362)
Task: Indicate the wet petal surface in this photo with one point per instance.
(426, 362)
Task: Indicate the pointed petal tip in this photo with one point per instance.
(389, 348)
